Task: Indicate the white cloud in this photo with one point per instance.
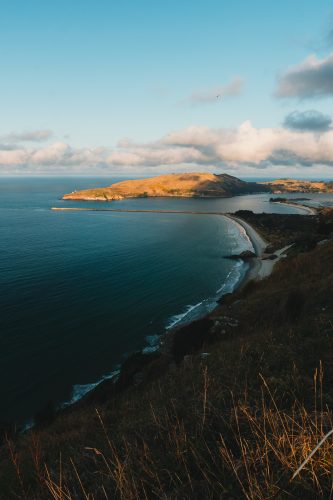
(58, 151)
(312, 78)
(156, 156)
(13, 157)
(195, 146)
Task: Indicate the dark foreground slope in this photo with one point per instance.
(229, 410)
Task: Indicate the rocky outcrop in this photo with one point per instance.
(246, 255)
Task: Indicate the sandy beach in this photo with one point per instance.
(308, 210)
(259, 268)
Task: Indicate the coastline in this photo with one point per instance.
(257, 269)
(259, 245)
(83, 393)
(259, 266)
(252, 273)
(225, 364)
(258, 242)
(309, 210)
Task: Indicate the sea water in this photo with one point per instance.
(81, 290)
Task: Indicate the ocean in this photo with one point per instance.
(81, 290)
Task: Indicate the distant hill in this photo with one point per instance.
(297, 186)
(186, 185)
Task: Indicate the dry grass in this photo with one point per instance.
(184, 185)
(292, 185)
(246, 451)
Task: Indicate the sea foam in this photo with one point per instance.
(80, 390)
(235, 276)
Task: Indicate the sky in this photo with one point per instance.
(144, 87)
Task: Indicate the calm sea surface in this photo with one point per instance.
(79, 290)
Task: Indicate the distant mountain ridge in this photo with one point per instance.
(185, 185)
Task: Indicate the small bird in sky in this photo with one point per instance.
(218, 96)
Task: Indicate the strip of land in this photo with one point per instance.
(195, 184)
(309, 210)
(122, 210)
(184, 185)
(260, 267)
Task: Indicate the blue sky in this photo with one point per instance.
(93, 73)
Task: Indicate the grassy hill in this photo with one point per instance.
(174, 185)
(299, 186)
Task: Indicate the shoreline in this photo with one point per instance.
(254, 272)
(259, 244)
(309, 210)
(257, 269)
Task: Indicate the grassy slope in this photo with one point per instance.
(297, 186)
(175, 185)
(283, 230)
(234, 424)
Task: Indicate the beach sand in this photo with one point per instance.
(308, 210)
(259, 268)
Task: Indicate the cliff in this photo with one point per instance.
(173, 185)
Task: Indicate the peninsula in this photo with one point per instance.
(195, 185)
(299, 186)
(185, 185)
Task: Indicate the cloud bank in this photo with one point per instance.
(305, 121)
(32, 136)
(194, 146)
(312, 78)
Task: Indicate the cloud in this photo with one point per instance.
(33, 136)
(57, 154)
(207, 96)
(310, 120)
(152, 157)
(248, 145)
(312, 78)
(53, 154)
(193, 147)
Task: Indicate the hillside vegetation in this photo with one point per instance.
(229, 408)
(175, 185)
(299, 186)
